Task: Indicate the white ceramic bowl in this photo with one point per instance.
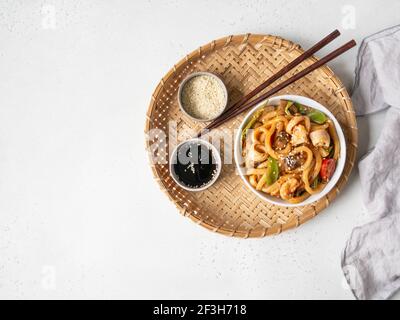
(339, 165)
(217, 159)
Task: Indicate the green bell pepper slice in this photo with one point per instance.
(272, 171)
(317, 116)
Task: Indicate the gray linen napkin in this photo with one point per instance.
(371, 258)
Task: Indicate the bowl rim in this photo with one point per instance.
(217, 159)
(196, 74)
(339, 166)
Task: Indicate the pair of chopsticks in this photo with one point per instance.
(245, 103)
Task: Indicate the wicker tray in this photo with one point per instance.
(243, 62)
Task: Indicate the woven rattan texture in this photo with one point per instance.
(243, 62)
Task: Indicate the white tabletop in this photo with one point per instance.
(80, 215)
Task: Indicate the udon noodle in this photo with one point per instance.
(290, 151)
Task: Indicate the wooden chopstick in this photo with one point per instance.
(223, 118)
(306, 54)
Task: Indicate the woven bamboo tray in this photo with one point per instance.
(243, 62)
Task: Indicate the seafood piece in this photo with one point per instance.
(320, 138)
(288, 188)
(299, 135)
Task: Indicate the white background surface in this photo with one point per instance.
(80, 215)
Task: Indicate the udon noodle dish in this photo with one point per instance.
(290, 151)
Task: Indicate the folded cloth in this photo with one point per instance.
(371, 258)
(377, 74)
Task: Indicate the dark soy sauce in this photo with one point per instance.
(195, 165)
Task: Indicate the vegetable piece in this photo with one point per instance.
(282, 106)
(252, 121)
(272, 171)
(327, 169)
(293, 161)
(281, 140)
(331, 152)
(290, 108)
(315, 183)
(299, 192)
(324, 152)
(317, 116)
(302, 109)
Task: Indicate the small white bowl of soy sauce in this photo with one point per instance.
(195, 164)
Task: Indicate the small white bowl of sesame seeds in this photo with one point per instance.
(202, 96)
